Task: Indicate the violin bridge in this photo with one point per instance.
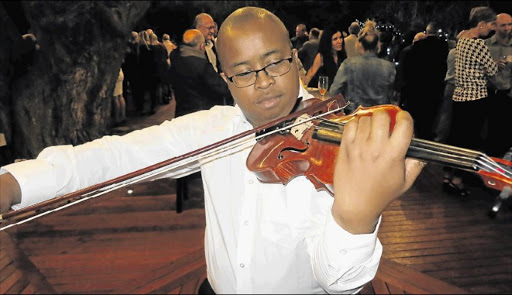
(299, 130)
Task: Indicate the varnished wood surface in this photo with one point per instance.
(450, 238)
(119, 243)
(394, 278)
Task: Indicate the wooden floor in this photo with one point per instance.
(118, 243)
(137, 243)
(450, 238)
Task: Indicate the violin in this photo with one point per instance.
(304, 143)
(310, 150)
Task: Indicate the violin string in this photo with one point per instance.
(433, 145)
(480, 159)
(460, 156)
(456, 161)
(208, 155)
(466, 156)
(494, 167)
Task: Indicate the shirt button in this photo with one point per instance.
(251, 181)
(343, 252)
(246, 222)
(242, 265)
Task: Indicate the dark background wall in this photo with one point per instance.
(174, 17)
(63, 94)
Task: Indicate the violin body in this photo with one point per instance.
(279, 158)
(312, 150)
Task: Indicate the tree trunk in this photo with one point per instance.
(65, 95)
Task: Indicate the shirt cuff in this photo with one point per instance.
(346, 249)
(36, 179)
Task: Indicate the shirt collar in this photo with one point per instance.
(493, 40)
(369, 54)
(191, 51)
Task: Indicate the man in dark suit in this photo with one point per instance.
(207, 26)
(196, 84)
(424, 72)
(308, 51)
(301, 36)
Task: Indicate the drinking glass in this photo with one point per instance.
(323, 85)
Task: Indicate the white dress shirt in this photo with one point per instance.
(212, 57)
(260, 238)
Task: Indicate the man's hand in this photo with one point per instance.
(10, 192)
(371, 170)
(502, 63)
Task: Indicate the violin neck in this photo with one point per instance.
(444, 154)
(420, 149)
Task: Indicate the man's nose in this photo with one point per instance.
(263, 80)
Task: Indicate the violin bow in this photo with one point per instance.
(163, 166)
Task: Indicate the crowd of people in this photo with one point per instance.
(145, 67)
(274, 238)
(455, 90)
(158, 71)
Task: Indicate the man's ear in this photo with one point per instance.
(359, 47)
(295, 53)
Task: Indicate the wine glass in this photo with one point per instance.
(323, 85)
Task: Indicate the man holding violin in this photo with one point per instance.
(260, 237)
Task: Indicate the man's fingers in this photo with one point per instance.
(402, 134)
(380, 126)
(350, 130)
(363, 129)
(413, 168)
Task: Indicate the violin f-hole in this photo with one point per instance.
(280, 156)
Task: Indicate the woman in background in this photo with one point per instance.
(473, 64)
(331, 53)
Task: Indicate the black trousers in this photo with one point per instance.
(498, 137)
(205, 288)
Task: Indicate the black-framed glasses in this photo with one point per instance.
(274, 69)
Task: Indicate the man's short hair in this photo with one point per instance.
(369, 38)
(302, 27)
(354, 28)
(314, 33)
(419, 36)
(479, 14)
(192, 38)
(432, 28)
(199, 19)
(166, 37)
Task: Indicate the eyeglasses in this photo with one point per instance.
(274, 69)
(209, 28)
